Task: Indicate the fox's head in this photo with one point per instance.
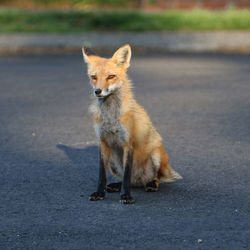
(107, 74)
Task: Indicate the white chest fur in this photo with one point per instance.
(111, 129)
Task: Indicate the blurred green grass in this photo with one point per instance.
(83, 21)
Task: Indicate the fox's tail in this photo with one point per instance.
(166, 173)
(170, 175)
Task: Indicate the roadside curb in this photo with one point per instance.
(232, 41)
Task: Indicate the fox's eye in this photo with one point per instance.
(93, 77)
(110, 77)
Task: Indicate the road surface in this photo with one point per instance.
(200, 103)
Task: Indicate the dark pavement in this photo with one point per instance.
(200, 104)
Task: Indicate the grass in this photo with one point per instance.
(79, 21)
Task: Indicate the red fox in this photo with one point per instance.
(130, 146)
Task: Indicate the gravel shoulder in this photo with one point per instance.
(233, 41)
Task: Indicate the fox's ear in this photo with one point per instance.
(122, 56)
(86, 51)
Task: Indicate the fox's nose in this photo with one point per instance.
(98, 91)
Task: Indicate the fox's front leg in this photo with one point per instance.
(101, 186)
(127, 165)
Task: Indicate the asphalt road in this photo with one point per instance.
(200, 104)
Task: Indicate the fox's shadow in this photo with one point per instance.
(81, 156)
(86, 159)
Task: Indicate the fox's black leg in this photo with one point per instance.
(152, 186)
(100, 193)
(126, 196)
(114, 187)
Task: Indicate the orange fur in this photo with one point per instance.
(136, 133)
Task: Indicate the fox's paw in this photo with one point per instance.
(114, 187)
(152, 186)
(126, 199)
(96, 196)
